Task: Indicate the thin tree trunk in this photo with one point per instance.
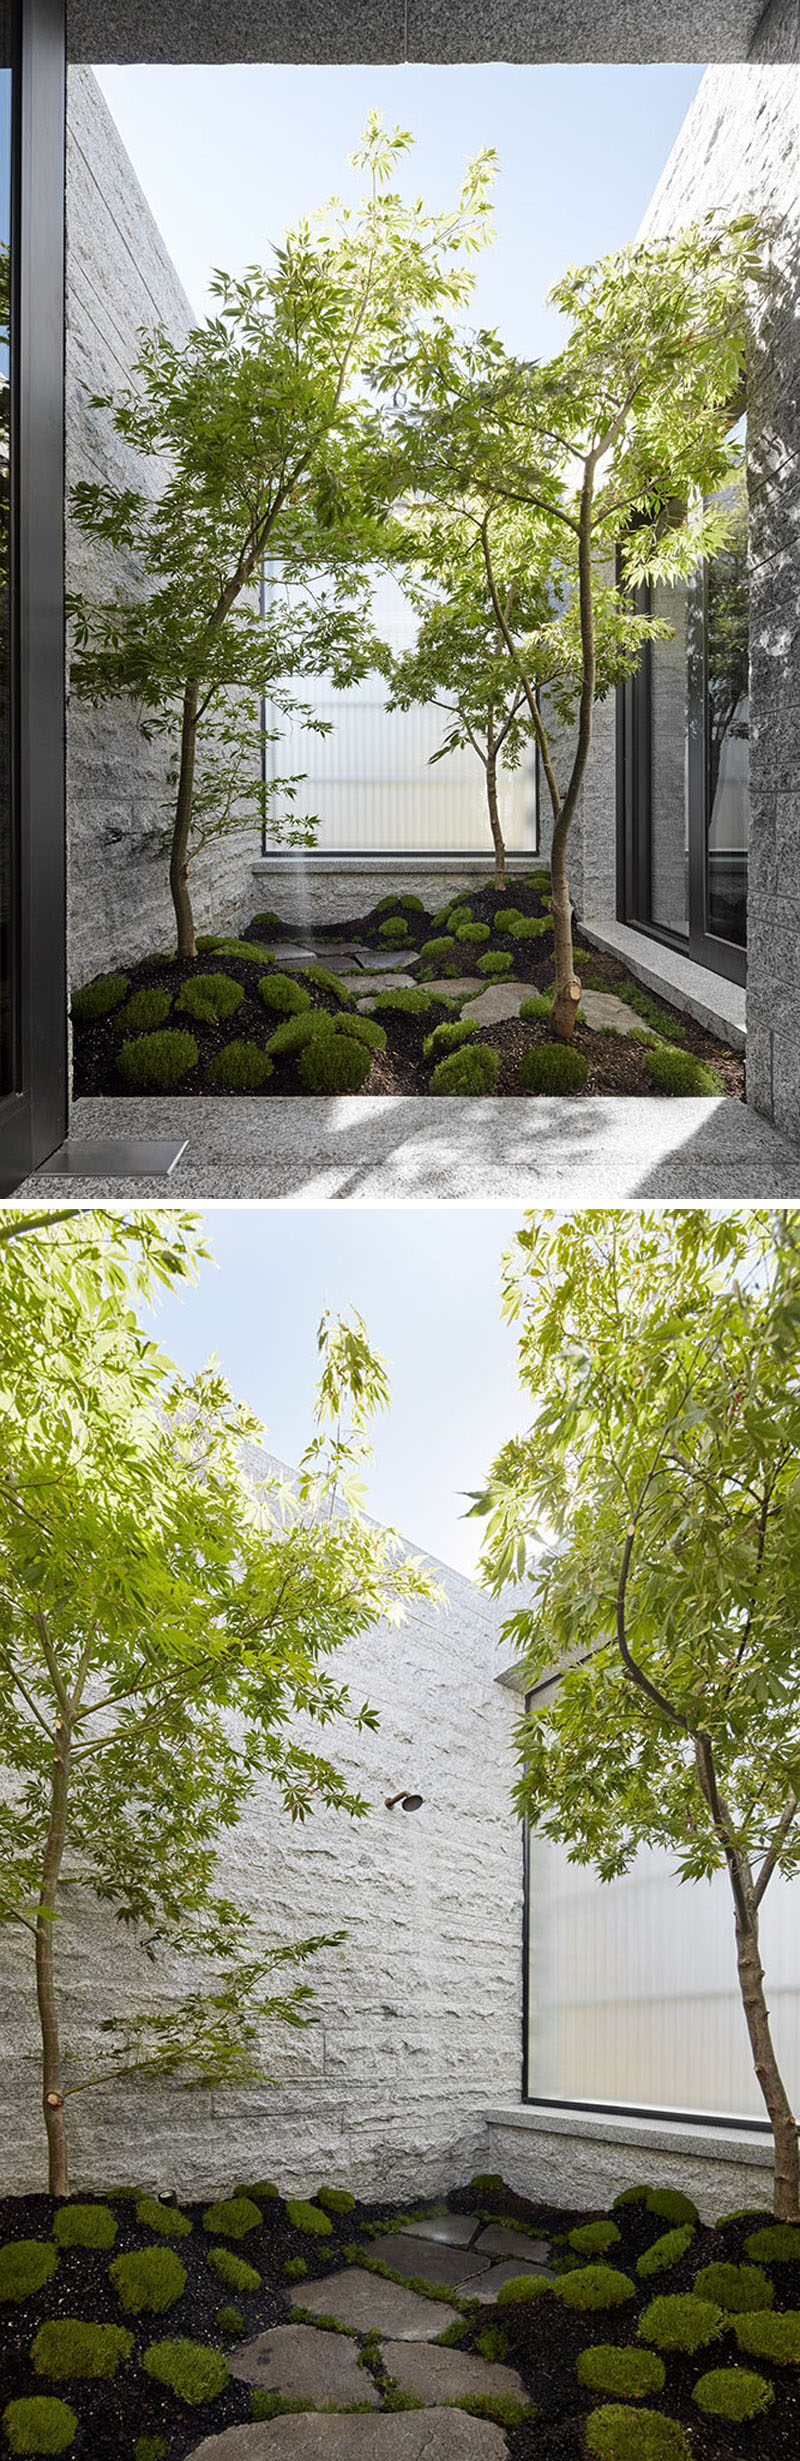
(494, 817)
(179, 864)
(781, 2116)
(566, 997)
(52, 2095)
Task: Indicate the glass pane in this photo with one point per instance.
(634, 1995)
(727, 742)
(669, 822)
(6, 852)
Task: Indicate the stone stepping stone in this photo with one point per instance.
(447, 2375)
(499, 2240)
(500, 1001)
(400, 2435)
(294, 960)
(296, 2360)
(603, 1008)
(381, 961)
(446, 2229)
(444, 2266)
(453, 986)
(388, 982)
(485, 2286)
(367, 2304)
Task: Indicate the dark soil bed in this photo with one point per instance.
(616, 1064)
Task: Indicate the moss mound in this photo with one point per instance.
(593, 2286)
(232, 2217)
(292, 1036)
(448, 1037)
(679, 2321)
(779, 2243)
(189, 2369)
(157, 1063)
(494, 962)
(593, 2238)
(552, 1068)
(25, 2266)
(242, 1068)
(473, 1070)
(362, 1030)
(408, 1000)
(671, 2205)
(506, 917)
(283, 994)
(530, 927)
(333, 1064)
(739, 2288)
(394, 929)
(210, 998)
(66, 2346)
(166, 2220)
(432, 950)
(678, 1072)
(615, 2433)
(146, 1009)
(233, 2271)
(629, 2374)
(39, 2425)
(335, 2200)
(148, 2280)
(667, 2251)
(522, 2286)
(295, 2269)
(532, 1010)
(99, 999)
(84, 2226)
(308, 2218)
(736, 2393)
(323, 980)
(774, 2338)
(476, 932)
(631, 2196)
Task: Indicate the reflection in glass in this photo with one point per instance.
(669, 812)
(6, 858)
(727, 738)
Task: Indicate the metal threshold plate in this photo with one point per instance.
(115, 1158)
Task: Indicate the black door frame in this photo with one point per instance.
(33, 1116)
(634, 792)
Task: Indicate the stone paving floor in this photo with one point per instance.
(307, 2362)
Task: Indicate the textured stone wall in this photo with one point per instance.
(327, 889)
(419, 2011)
(119, 280)
(567, 2157)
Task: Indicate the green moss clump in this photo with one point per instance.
(25, 2266)
(39, 2425)
(398, 898)
(629, 2374)
(282, 993)
(538, 1006)
(232, 2217)
(492, 2344)
(771, 2337)
(394, 929)
(90, 1001)
(242, 1068)
(473, 931)
(593, 2238)
(66, 2346)
(679, 2321)
(333, 1064)
(148, 2280)
(593, 2286)
(277, 2405)
(629, 2196)
(189, 2369)
(166, 2220)
(145, 1010)
(668, 1029)
(230, 2322)
(778, 2244)
(362, 1030)
(308, 2218)
(295, 1032)
(678, 1072)
(523, 2286)
(264, 2190)
(732, 2392)
(150, 2448)
(531, 927)
(433, 949)
(615, 2433)
(667, 2251)
(457, 917)
(267, 921)
(210, 998)
(336, 2200)
(473, 1070)
(250, 950)
(448, 1037)
(295, 2269)
(84, 2226)
(453, 2335)
(506, 917)
(323, 980)
(494, 961)
(232, 2270)
(503, 2408)
(672, 2205)
(739, 2288)
(487, 2183)
(407, 1001)
(553, 1068)
(157, 1063)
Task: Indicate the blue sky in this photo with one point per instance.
(229, 157)
(427, 1282)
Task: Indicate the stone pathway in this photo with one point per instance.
(499, 1001)
(365, 2303)
(296, 2360)
(410, 2435)
(602, 1010)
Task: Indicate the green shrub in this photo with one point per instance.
(148, 2280)
(668, 1028)
(333, 1064)
(166, 2220)
(232, 2217)
(473, 931)
(232, 2270)
(336, 2200)
(211, 998)
(473, 1070)
(739, 2288)
(433, 949)
(530, 927)
(615, 2433)
(84, 2226)
(25, 2266)
(539, 1005)
(666, 2251)
(774, 2338)
(679, 2321)
(394, 929)
(732, 2392)
(323, 980)
(308, 2218)
(552, 1068)
(671, 2205)
(284, 994)
(230, 2322)
(241, 1068)
(363, 1030)
(448, 1037)
(494, 961)
(66, 2346)
(407, 1001)
(630, 2374)
(295, 2269)
(157, 1063)
(678, 1072)
(189, 2369)
(592, 2238)
(146, 1009)
(522, 2286)
(778, 2244)
(90, 1001)
(594, 2285)
(39, 2425)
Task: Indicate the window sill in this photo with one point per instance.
(557, 2155)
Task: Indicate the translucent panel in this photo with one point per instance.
(633, 1989)
(669, 812)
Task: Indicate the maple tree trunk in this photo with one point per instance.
(52, 2095)
(567, 994)
(178, 865)
(781, 2116)
(494, 816)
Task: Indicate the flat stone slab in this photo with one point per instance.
(444, 2266)
(399, 2435)
(498, 2240)
(368, 2304)
(485, 2286)
(500, 1001)
(446, 2229)
(381, 961)
(452, 986)
(447, 2375)
(603, 1008)
(295, 2360)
